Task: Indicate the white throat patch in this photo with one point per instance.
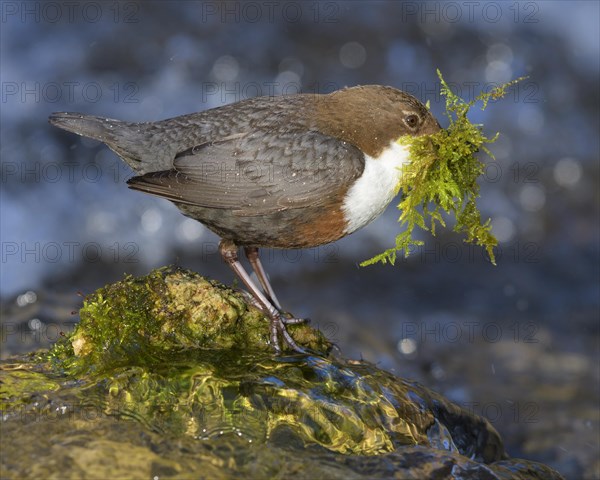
(375, 189)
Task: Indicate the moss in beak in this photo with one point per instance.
(442, 176)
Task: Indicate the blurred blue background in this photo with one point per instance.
(517, 342)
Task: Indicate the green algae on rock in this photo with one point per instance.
(442, 176)
(169, 310)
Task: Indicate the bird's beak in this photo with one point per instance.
(431, 126)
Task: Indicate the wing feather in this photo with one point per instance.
(252, 176)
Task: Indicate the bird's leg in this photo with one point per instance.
(229, 253)
(254, 259)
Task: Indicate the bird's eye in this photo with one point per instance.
(412, 120)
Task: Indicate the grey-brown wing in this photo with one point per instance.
(252, 176)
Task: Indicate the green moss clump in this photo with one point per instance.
(133, 321)
(442, 176)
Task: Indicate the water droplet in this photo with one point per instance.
(353, 55)
(26, 298)
(407, 346)
(503, 229)
(35, 324)
(151, 220)
(226, 69)
(567, 172)
(532, 198)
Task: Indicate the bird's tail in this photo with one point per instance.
(131, 141)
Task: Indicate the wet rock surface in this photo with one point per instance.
(171, 375)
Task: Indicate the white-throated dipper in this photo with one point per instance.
(295, 171)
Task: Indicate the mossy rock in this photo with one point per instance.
(171, 363)
(169, 310)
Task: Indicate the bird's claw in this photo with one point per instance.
(294, 321)
(278, 324)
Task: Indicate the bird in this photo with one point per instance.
(285, 172)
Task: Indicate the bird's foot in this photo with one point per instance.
(279, 320)
(288, 319)
(278, 327)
